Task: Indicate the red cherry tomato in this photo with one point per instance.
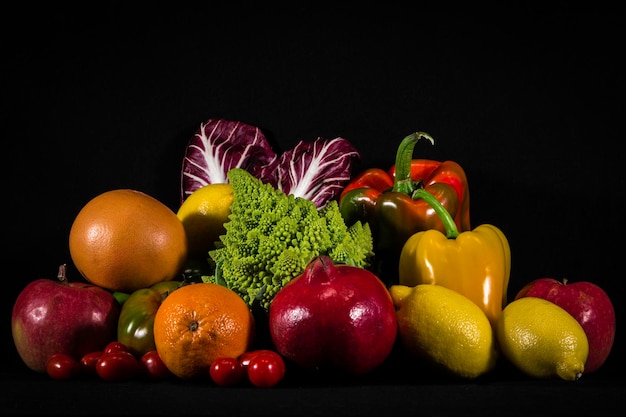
(116, 347)
(88, 362)
(152, 366)
(61, 366)
(246, 356)
(226, 371)
(266, 368)
(117, 366)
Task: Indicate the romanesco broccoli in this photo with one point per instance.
(272, 236)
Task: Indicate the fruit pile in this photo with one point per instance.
(353, 268)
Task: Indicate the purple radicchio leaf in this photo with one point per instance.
(220, 145)
(318, 170)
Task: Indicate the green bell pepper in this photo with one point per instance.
(136, 321)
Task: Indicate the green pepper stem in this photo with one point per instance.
(448, 222)
(403, 182)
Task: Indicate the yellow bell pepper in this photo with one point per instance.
(475, 263)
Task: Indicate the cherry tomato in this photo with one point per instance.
(116, 347)
(117, 366)
(61, 366)
(246, 356)
(152, 366)
(88, 362)
(266, 368)
(226, 371)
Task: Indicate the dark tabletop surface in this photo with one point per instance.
(528, 100)
(393, 389)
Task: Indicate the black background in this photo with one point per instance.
(528, 101)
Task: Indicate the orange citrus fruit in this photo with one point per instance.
(125, 240)
(203, 214)
(198, 323)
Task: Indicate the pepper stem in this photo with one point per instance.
(448, 222)
(402, 182)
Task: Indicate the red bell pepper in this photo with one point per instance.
(385, 200)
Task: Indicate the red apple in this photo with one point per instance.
(589, 304)
(334, 317)
(58, 316)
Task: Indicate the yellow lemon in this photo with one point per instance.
(445, 328)
(203, 215)
(542, 339)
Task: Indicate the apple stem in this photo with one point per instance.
(62, 273)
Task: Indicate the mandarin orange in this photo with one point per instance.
(125, 240)
(198, 323)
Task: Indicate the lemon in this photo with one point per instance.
(445, 328)
(542, 339)
(203, 215)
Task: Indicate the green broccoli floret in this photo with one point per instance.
(271, 237)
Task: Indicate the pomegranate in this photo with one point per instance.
(336, 317)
